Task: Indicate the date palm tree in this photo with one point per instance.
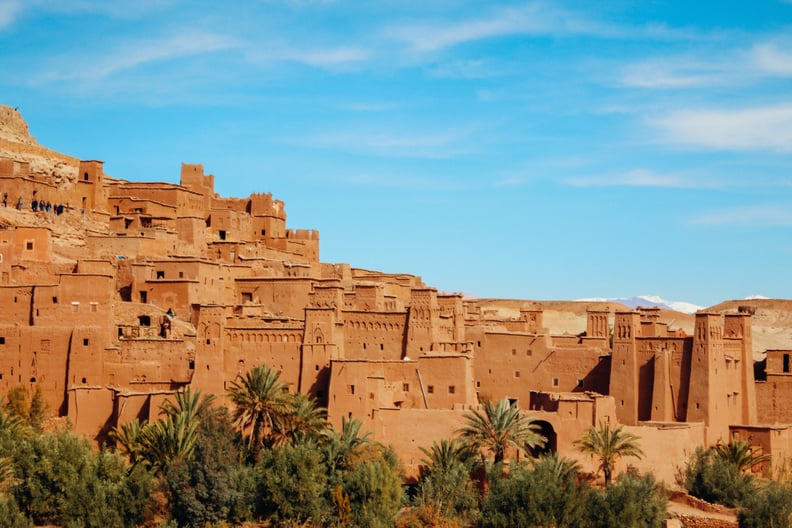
(609, 445)
(127, 439)
(740, 455)
(158, 444)
(499, 427)
(341, 448)
(303, 420)
(167, 440)
(260, 398)
(446, 455)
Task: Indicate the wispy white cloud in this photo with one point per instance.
(642, 178)
(135, 54)
(747, 64)
(673, 73)
(368, 106)
(770, 59)
(533, 19)
(113, 9)
(767, 215)
(465, 69)
(325, 58)
(397, 180)
(439, 145)
(9, 11)
(760, 128)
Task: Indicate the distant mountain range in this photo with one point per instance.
(648, 301)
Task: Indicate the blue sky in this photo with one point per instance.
(542, 150)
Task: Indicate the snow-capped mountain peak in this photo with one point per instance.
(651, 300)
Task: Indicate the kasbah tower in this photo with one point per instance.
(121, 293)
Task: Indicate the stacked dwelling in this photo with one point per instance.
(159, 286)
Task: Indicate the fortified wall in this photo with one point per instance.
(116, 294)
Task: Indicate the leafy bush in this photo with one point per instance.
(546, 495)
(373, 487)
(770, 505)
(292, 484)
(10, 514)
(633, 502)
(61, 481)
(715, 478)
(204, 487)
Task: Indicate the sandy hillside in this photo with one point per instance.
(17, 143)
(772, 321)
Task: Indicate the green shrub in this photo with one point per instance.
(545, 495)
(61, 481)
(713, 478)
(10, 516)
(373, 487)
(204, 487)
(633, 502)
(292, 484)
(769, 506)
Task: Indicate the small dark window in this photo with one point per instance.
(85, 342)
(29, 246)
(181, 274)
(1, 375)
(2, 340)
(478, 384)
(85, 176)
(160, 274)
(364, 346)
(247, 297)
(316, 367)
(382, 347)
(222, 234)
(451, 389)
(516, 373)
(33, 380)
(529, 352)
(555, 382)
(514, 351)
(144, 320)
(406, 387)
(191, 365)
(143, 297)
(430, 389)
(263, 232)
(84, 380)
(786, 362)
(580, 384)
(208, 341)
(120, 332)
(54, 300)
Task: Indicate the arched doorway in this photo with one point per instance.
(551, 445)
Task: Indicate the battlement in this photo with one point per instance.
(262, 204)
(302, 234)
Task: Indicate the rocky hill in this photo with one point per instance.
(17, 143)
